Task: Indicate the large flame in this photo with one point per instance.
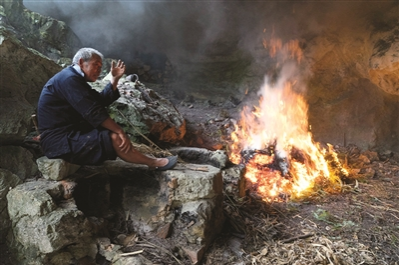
(274, 142)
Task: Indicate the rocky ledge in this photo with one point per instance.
(104, 212)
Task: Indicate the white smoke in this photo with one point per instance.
(187, 30)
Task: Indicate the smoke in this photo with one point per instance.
(191, 30)
(121, 27)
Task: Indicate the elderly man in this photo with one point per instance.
(73, 122)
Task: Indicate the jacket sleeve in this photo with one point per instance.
(108, 95)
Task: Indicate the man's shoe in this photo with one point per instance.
(172, 161)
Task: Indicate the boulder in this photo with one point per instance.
(18, 160)
(33, 198)
(55, 169)
(142, 111)
(8, 181)
(182, 206)
(47, 35)
(24, 72)
(45, 227)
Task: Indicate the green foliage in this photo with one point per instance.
(129, 119)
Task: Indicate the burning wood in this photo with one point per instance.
(274, 142)
(275, 160)
(276, 173)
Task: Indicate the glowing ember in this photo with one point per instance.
(274, 142)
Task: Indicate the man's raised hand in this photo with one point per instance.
(117, 70)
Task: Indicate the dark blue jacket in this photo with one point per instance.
(67, 106)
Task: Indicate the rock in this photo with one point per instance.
(88, 250)
(196, 185)
(183, 206)
(49, 233)
(44, 228)
(202, 221)
(159, 117)
(18, 160)
(55, 169)
(151, 203)
(233, 178)
(217, 158)
(47, 35)
(33, 198)
(384, 63)
(15, 120)
(24, 71)
(8, 181)
(61, 258)
(348, 90)
(68, 187)
(86, 247)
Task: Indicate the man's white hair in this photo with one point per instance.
(85, 54)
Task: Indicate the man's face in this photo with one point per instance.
(92, 68)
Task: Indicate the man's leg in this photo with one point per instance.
(134, 156)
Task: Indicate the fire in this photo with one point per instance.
(274, 141)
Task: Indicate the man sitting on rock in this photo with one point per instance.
(74, 124)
